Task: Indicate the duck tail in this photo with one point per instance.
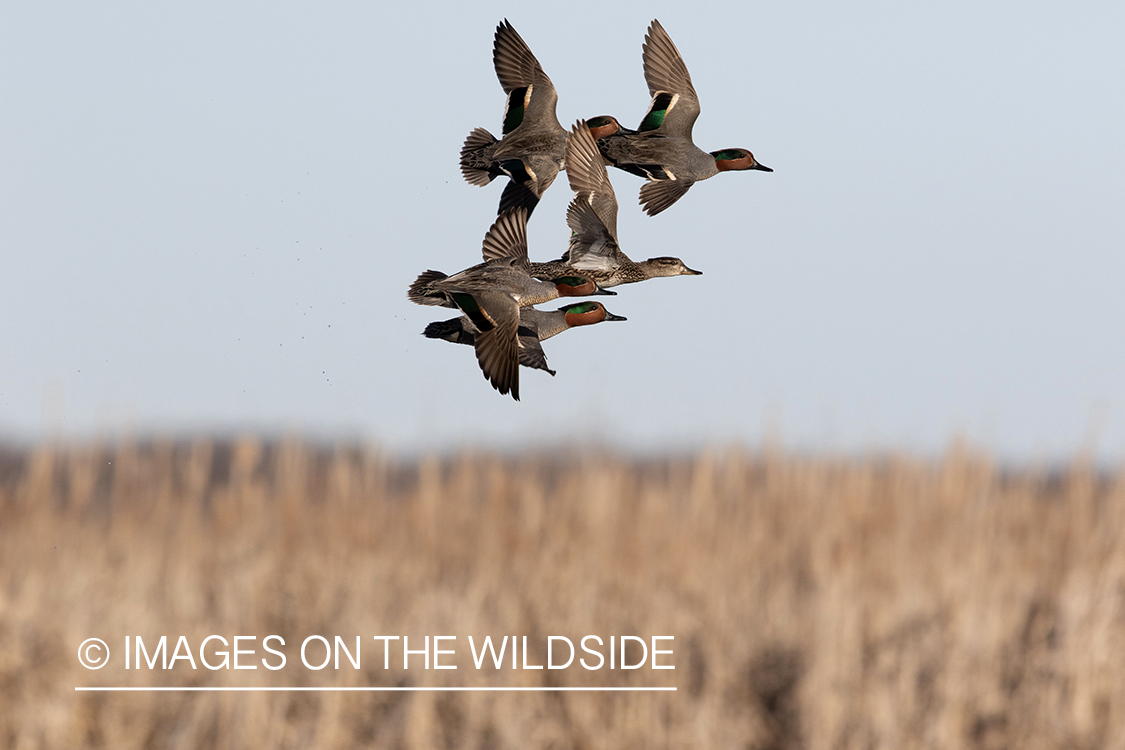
(422, 291)
(476, 158)
(450, 330)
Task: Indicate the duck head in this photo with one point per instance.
(604, 125)
(737, 158)
(587, 313)
(667, 266)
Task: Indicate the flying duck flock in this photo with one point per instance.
(497, 298)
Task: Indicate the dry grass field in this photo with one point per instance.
(815, 602)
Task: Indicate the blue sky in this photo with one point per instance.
(212, 213)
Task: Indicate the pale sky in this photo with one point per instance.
(209, 215)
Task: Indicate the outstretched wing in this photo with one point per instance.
(497, 316)
(532, 354)
(531, 95)
(591, 245)
(657, 195)
(517, 195)
(675, 105)
(586, 171)
(507, 237)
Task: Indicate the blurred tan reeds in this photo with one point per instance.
(815, 602)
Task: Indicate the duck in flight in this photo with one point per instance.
(661, 148)
(531, 149)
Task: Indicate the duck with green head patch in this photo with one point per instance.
(531, 148)
(592, 216)
(535, 326)
(661, 148)
(491, 294)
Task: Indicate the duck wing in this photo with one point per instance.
(592, 247)
(585, 168)
(507, 237)
(531, 95)
(657, 195)
(675, 105)
(518, 195)
(496, 316)
(462, 331)
(531, 351)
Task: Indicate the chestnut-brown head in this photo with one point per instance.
(737, 158)
(603, 125)
(587, 313)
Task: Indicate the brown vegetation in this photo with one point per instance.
(815, 602)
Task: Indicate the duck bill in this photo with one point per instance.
(598, 291)
(761, 168)
(611, 316)
(691, 272)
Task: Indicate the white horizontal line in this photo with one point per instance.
(373, 689)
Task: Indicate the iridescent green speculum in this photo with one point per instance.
(466, 302)
(655, 117)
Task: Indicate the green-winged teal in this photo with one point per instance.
(592, 217)
(535, 326)
(661, 148)
(492, 293)
(531, 149)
